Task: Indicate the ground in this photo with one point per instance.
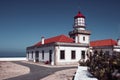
(35, 71)
(9, 69)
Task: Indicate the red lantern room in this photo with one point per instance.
(79, 21)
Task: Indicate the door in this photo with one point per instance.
(50, 56)
(37, 56)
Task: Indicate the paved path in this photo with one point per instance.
(37, 72)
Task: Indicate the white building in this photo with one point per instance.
(107, 46)
(61, 49)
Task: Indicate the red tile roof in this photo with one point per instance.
(60, 38)
(106, 42)
(79, 15)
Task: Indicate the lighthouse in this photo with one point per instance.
(79, 21)
(79, 33)
(62, 49)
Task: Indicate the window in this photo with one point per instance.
(73, 55)
(107, 52)
(83, 55)
(32, 54)
(62, 54)
(81, 21)
(42, 54)
(83, 38)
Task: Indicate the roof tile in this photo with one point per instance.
(60, 38)
(106, 42)
(79, 15)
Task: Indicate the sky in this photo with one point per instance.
(23, 22)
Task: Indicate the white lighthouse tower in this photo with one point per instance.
(80, 34)
(118, 41)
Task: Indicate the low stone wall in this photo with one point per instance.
(13, 59)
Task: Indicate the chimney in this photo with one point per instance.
(118, 41)
(42, 40)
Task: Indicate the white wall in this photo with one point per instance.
(82, 73)
(68, 50)
(13, 59)
(118, 42)
(46, 53)
(117, 48)
(105, 49)
(87, 40)
(29, 56)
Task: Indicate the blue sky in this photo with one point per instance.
(23, 22)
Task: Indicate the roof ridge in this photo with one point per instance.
(53, 37)
(62, 36)
(102, 40)
(59, 38)
(113, 41)
(105, 42)
(79, 14)
(46, 39)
